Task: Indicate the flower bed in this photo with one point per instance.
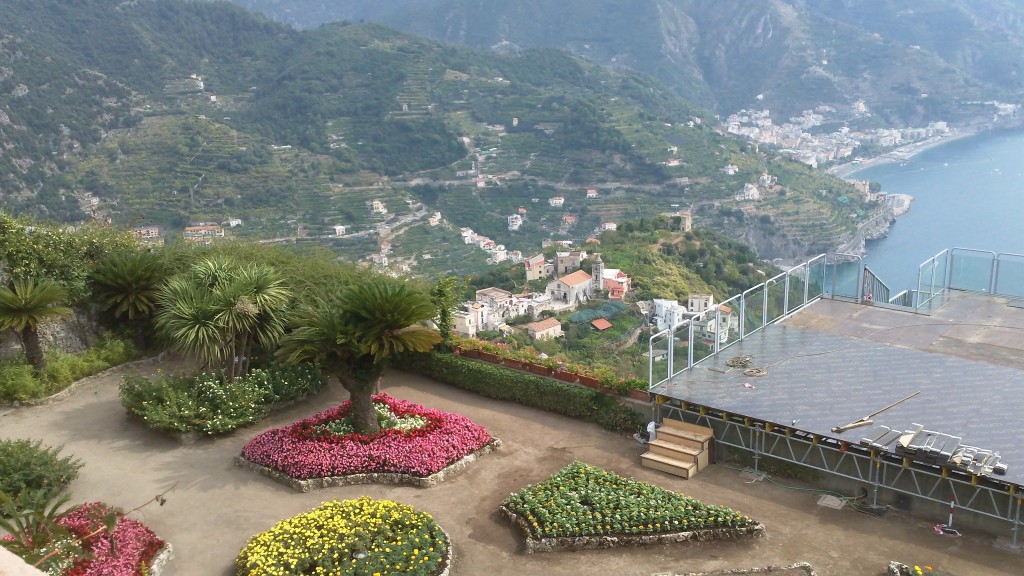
(362, 536)
(130, 549)
(313, 448)
(582, 506)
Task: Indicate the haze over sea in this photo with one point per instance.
(968, 193)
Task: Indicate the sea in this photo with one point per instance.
(968, 193)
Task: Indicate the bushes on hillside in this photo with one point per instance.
(501, 383)
(207, 403)
(27, 466)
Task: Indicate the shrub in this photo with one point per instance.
(206, 403)
(27, 465)
(360, 536)
(502, 383)
(19, 382)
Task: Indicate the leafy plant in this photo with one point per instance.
(209, 403)
(26, 304)
(27, 467)
(18, 381)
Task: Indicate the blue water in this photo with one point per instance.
(967, 194)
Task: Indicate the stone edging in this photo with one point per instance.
(372, 477)
(58, 396)
(156, 565)
(597, 542)
(806, 568)
(449, 556)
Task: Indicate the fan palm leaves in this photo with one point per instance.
(218, 311)
(355, 335)
(126, 284)
(27, 303)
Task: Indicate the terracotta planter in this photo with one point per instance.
(512, 363)
(642, 395)
(490, 357)
(566, 376)
(539, 369)
(589, 381)
(470, 352)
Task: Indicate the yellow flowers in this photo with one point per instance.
(362, 536)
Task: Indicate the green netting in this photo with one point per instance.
(607, 310)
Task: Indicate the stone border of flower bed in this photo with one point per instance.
(156, 565)
(804, 567)
(598, 542)
(372, 477)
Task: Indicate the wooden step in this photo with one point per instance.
(670, 465)
(683, 438)
(676, 451)
(680, 425)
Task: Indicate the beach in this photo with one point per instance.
(901, 154)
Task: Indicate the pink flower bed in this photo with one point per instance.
(121, 552)
(303, 452)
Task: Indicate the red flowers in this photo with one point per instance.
(120, 552)
(302, 451)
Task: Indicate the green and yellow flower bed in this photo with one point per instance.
(583, 507)
(362, 536)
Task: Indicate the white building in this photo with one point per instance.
(557, 201)
(515, 221)
(339, 231)
(668, 313)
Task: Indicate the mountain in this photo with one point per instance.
(354, 135)
(909, 62)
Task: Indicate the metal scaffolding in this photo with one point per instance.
(879, 469)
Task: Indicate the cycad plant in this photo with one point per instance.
(27, 303)
(126, 285)
(354, 335)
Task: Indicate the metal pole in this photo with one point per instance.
(952, 503)
(877, 471)
(1017, 522)
(785, 297)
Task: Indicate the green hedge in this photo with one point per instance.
(18, 381)
(498, 382)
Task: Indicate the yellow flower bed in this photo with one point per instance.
(362, 536)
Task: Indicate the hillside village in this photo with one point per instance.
(570, 287)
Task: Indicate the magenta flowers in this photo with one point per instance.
(308, 449)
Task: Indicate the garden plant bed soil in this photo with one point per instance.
(372, 477)
(619, 541)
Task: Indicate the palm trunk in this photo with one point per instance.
(139, 335)
(363, 415)
(33, 348)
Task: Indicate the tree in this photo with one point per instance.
(355, 335)
(445, 298)
(126, 284)
(24, 305)
(218, 311)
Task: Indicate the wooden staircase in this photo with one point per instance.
(679, 448)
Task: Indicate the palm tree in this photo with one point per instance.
(357, 334)
(26, 304)
(126, 284)
(218, 311)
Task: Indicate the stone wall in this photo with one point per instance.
(72, 335)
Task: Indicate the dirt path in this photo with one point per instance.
(216, 506)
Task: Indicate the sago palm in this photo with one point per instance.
(358, 333)
(27, 303)
(126, 284)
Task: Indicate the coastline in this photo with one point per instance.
(903, 153)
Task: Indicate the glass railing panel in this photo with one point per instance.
(776, 298)
(1010, 275)
(970, 270)
(844, 278)
(753, 310)
(680, 348)
(657, 360)
(729, 318)
(816, 278)
(797, 288)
